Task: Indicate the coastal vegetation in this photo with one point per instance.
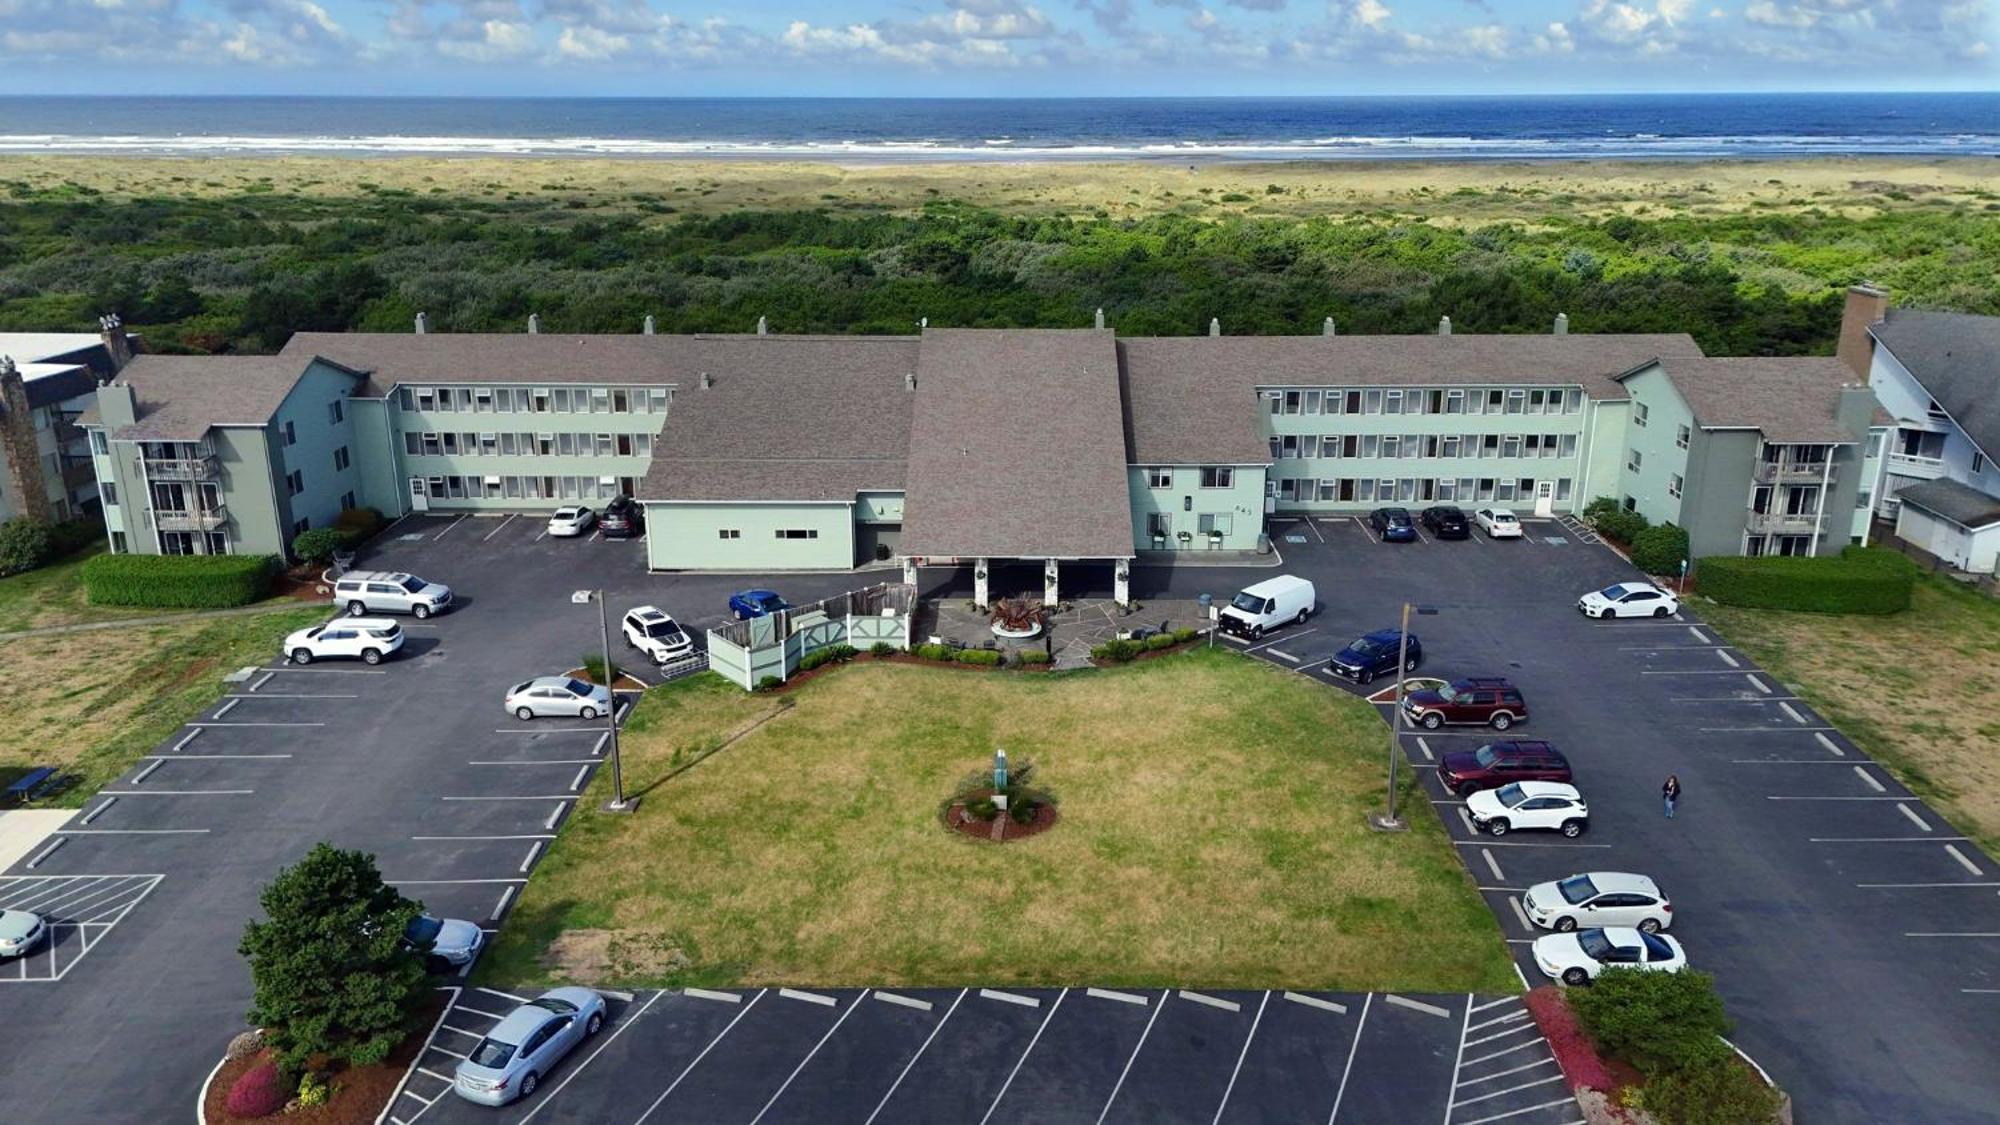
(234, 255)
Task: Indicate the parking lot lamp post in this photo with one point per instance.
(1391, 822)
(618, 802)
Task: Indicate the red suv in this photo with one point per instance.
(1497, 763)
(1473, 700)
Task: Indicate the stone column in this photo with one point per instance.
(1051, 593)
(1122, 575)
(19, 449)
(979, 584)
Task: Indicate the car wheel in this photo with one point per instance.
(1575, 977)
(302, 656)
(1660, 612)
(1432, 720)
(436, 966)
(356, 609)
(1502, 721)
(1410, 665)
(420, 612)
(1565, 924)
(1497, 827)
(1467, 788)
(1572, 828)
(1301, 618)
(1364, 676)
(529, 1081)
(523, 713)
(1256, 632)
(594, 1024)
(371, 655)
(1650, 926)
(587, 713)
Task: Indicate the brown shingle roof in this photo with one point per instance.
(1193, 398)
(1787, 398)
(179, 397)
(1017, 447)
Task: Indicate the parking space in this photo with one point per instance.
(79, 910)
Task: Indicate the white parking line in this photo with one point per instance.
(1759, 730)
(1416, 1005)
(1532, 843)
(1112, 994)
(1240, 1056)
(1211, 1001)
(1509, 1070)
(1492, 865)
(532, 797)
(1920, 822)
(499, 908)
(1836, 798)
(802, 1062)
(1952, 849)
(1284, 656)
(1513, 1089)
(1829, 744)
(1514, 1016)
(1426, 748)
(157, 758)
(521, 836)
(905, 1072)
(1281, 640)
(534, 850)
(1025, 1052)
(1972, 934)
(1757, 683)
(178, 792)
(556, 813)
(576, 783)
(448, 527)
(503, 526)
(227, 707)
(1870, 779)
(1132, 1058)
(1520, 913)
(1790, 713)
(1503, 1051)
(1729, 660)
(1922, 886)
(1880, 839)
(1360, 1025)
(1698, 634)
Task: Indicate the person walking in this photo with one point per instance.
(1670, 793)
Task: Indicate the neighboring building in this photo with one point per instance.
(46, 382)
(969, 446)
(1938, 375)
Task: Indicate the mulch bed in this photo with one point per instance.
(625, 681)
(300, 586)
(362, 1092)
(1001, 828)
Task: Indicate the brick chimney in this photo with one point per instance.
(22, 470)
(117, 344)
(1867, 305)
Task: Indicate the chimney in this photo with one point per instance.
(1444, 326)
(1867, 305)
(763, 327)
(1562, 324)
(116, 406)
(1100, 319)
(706, 382)
(117, 344)
(649, 324)
(534, 324)
(423, 326)
(20, 451)
(1326, 327)
(910, 380)
(1215, 326)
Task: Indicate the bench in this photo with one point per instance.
(30, 785)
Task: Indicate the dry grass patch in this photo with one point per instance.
(1915, 689)
(1213, 833)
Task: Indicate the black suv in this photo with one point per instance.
(1376, 654)
(621, 519)
(1446, 522)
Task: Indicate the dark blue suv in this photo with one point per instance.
(1393, 525)
(756, 603)
(1376, 654)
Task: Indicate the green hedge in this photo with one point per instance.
(832, 654)
(985, 657)
(178, 581)
(1858, 580)
(1659, 549)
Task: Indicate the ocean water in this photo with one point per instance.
(1647, 126)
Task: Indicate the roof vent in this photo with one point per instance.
(1100, 319)
(1326, 327)
(7, 365)
(423, 325)
(763, 327)
(910, 380)
(706, 382)
(1215, 326)
(1562, 324)
(649, 324)
(534, 324)
(1444, 326)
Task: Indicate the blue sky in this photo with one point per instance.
(993, 47)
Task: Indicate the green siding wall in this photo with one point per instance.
(315, 437)
(688, 536)
(594, 466)
(1661, 457)
(251, 491)
(1183, 505)
(381, 485)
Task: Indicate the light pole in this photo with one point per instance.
(1391, 822)
(618, 802)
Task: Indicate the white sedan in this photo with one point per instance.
(1629, 599)
(558, 695)
(364, 638)
(1548, 805)
(1497, 523)
(1578, 957)
(1598, 898)
(567, 523)
(19, 931)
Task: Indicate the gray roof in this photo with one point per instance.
(1017, 447)
(1956, 356)
(1787, 398)
(1193, 398)
(1956, 501)
(786, 418)
(180, 397)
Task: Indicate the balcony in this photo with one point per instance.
(78, 474)
(1782, 523)
(205, 520)
(204, 467)
(1793, 472)
(1911, 465)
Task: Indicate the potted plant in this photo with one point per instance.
(1186, 538)
(1159, 541)
(1214, 539)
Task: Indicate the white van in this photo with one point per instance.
(1267, 605)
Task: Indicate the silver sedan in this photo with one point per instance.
(529, 1041)
(558, 695)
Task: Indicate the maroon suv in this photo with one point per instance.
(1497, 763)
(1473, 700)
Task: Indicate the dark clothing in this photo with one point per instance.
(1670, 794)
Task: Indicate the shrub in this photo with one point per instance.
(1660, 549)
(1159, 641)
(831, 654)
(245, 1044)
(593, 668)
(361, 522)
(983, 657)
(1574, 1052)
(314, 1091)
(1660, 1022)
(1183, 636)
(1724, 1092)
(1599, 508)
(982, 808)
(1034, 656)
(257, 1092)
(934, 652)
(181, 581)
(881, 650)
(1858, 580)
(24, 545)
(318, 545)
(770, 683)
(1617, 523)
(1115, 652)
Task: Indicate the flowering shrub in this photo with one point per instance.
(257, 1092)
(1575, 1053)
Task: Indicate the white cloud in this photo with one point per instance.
(493, 41)
(591, 44)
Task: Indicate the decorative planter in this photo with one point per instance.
(999, 630)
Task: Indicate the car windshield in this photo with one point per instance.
(1657, 948)
(1510, 794)
(1595, 945)
(423, 928)
(413, 584)
(1368, 646)
(554, 1004)
(1247, 602)
(315, 631)
(1577, 888)
(492, 1054)
(578, 687)
(1486, 756)
(663, 628)
(1613, 592)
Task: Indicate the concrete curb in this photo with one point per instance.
(412, 1068)
(201, 1099)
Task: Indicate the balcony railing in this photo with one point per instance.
(1802, 472)
(1782, 522)
(205, 520)
(204, 467)
(1911, 465)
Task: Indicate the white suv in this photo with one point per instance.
(652, 632)
(1548, 805)
(366, 638)
(381, 591)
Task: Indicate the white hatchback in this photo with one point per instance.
(1577, 958)
(1598, 898)
(567, 523)
(372, 639)
(1548, 805)
(1497, 523)
(1629, 599)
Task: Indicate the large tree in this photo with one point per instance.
(333, 975)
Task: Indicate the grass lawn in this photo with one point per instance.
(1212, 834)
(53, 595)
(1916, 689)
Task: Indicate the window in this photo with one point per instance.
(1312, 402)
(1632, 460)
(1392, 402)
(1874, 445)
(346, 501)
(1454, 402)
(797, 533)
(1674, 485)
(335, 412)
(482, 400)
(539, 398)
(1862, 500)
(340, 459)
(431, 444)
(291, 434)
(1157, 525)
(1391, 445)
(1159, 478)
(1510, 446)
(109, 493)
(1563, 488)
(1292, 399)
(503, 400)
(1288, 446)
(299, 528)
(1515, 400)
(642, 444)
(295, 482)
(604, 445)
(444, 401)
(1536, 400)
(97, 442)
(1639, 413)
(1218, 476)
(1682, 434)
(1448, 447)
(1372, 402)
(659, 397)
(450, 442)
(1978, 462)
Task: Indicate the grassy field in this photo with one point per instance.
(1916, 690)
(1213, 833)
(53, 596)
